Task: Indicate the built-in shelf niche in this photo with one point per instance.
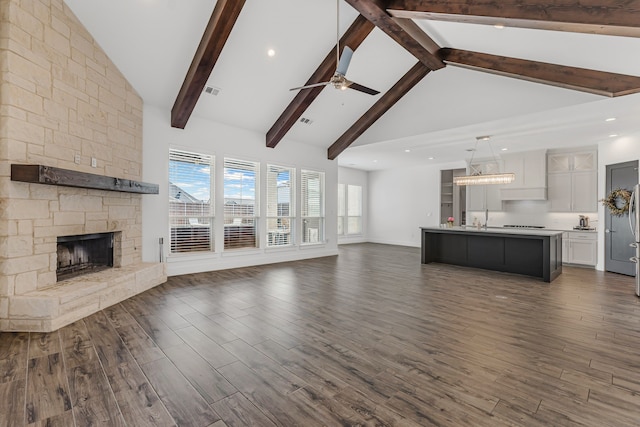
(452, 197)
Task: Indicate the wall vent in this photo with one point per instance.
(305, 120)
(212, 90)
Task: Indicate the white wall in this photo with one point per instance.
(618, 150)
(402, 200)
(226, 141)
(349, 176)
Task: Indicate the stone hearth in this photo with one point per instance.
(55, 306)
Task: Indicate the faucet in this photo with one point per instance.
(486, 218)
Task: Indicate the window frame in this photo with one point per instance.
(349, 215)
(312, 235)
(342, 209)
(193, 223)
(238, 239)
(280, 236)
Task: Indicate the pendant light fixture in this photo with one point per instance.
(476, 177)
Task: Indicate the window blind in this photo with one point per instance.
(191, 213)
(354, 209)
(312, 212)
(341, 209)
(280, 205)
(241, 208)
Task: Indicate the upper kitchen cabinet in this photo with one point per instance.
(530, 169)
(573, 161)
(573, 181)
(483, 197)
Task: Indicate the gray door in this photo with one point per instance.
(617, 234)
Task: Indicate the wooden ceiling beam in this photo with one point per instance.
(591, 81)
(353, 37)
(224, 16)
(407, 34)
(613, 17)
(388, 100)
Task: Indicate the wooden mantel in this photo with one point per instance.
(41, 174)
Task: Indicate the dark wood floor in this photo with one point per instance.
(367, 338)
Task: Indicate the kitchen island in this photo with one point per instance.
(534, 252)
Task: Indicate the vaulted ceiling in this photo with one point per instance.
(423, 56)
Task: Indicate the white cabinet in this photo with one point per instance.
(573, 182)
(530, 169)
(572, 161)
(584, 191)
(579, 247)
(560, 192)
(482, 197)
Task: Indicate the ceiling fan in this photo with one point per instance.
(338, 80)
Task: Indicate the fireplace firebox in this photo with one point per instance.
(84, 254)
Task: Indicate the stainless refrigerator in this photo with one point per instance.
(634, 223)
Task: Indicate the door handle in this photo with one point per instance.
(607, 231)
(633, 245)
(633, 259)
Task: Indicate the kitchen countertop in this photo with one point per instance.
(497, 230)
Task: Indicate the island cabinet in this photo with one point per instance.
(482, 197)
(536, 253)
(573, 181)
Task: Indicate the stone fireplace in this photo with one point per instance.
(64, 104)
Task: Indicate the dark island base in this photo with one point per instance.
(537, 256)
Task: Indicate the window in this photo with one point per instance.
(354, 209)
(349, 209)
(341, 209)
(190, 201)
(312, 196)
(240, 204)
(280, 207)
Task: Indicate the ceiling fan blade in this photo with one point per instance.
(363, 89)
(311, 85)
(345, 59)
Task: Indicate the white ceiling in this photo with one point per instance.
(153, 42)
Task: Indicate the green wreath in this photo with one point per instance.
(618, 201)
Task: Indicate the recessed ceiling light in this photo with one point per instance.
(407, 151)
(499, 26)
(483, 138)
(431, 158)
(271, 52)
(613, 135)
(610, 119)
(504, 149)
(375, 161)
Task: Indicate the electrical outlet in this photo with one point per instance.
(94, 162)
(76, 159)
